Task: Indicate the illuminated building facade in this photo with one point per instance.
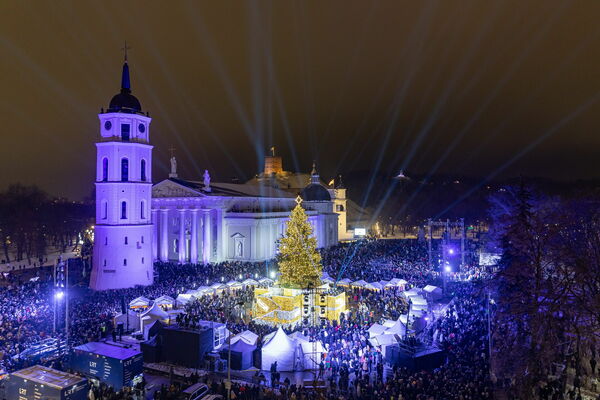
(179, 220)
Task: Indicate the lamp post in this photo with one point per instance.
(228, 383)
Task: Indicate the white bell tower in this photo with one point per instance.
(123, 234)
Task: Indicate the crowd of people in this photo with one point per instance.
(353, 367)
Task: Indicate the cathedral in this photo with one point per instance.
(190, 221)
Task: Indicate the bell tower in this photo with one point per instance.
(123, 234)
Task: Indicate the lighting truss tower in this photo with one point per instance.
(448, 227)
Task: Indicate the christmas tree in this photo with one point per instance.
(298, 259)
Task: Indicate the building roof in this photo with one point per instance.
(48, 376)
(108, 350)
(315, 192)
(234, 189)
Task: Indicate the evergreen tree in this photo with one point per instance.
(298, 259)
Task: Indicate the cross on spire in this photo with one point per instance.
(125, 48)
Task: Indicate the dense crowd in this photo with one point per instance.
(353, 367)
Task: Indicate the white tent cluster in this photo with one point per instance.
(292, 352)
(379, 285)
(391, 332)
(143, 312)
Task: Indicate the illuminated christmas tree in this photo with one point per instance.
(298, 259)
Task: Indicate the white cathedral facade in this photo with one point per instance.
(187, 221)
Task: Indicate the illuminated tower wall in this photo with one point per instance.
(123, 233)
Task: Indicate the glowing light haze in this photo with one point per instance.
(470, 87)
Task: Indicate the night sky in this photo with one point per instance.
(477, 88)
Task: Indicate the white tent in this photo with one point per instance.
(328, 279)
(247, 337)
(140, 302)
(344, 282)
(376, 329)
(250, 282)
(410, 293)
(401, 283)
(359, 283)
(279, 348)
(184, 298)
(388, 323)
(399, 328)
(432, 292)
(312, 353)
(419, 307)
(383, 283)
(418, 300)
(266, 281)
(152, 314)
(374, 286)
(232, 283)
(165, 301)
(387, 339)
(134, 320)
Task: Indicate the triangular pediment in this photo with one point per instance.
(168, 188)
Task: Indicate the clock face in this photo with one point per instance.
(141, 128)
(107, 125)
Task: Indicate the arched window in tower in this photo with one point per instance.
(123, 210)
(124, 170)
(105, 169)
(142, 209)
(143, 170)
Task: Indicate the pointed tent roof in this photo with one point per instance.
(399, 328)
(246, 336)
(344, 282)
(278, 338)
(140, 302)
(164, 299)
(376, 329)
(184, 298)
(156, 312)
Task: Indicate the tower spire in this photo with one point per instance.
(125, 82)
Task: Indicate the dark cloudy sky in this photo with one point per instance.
(459, 87)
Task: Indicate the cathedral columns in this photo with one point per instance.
(182, 246)
(164, 235)
(220, 232)
(206, 237)
(154, 235)
(194, 238)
